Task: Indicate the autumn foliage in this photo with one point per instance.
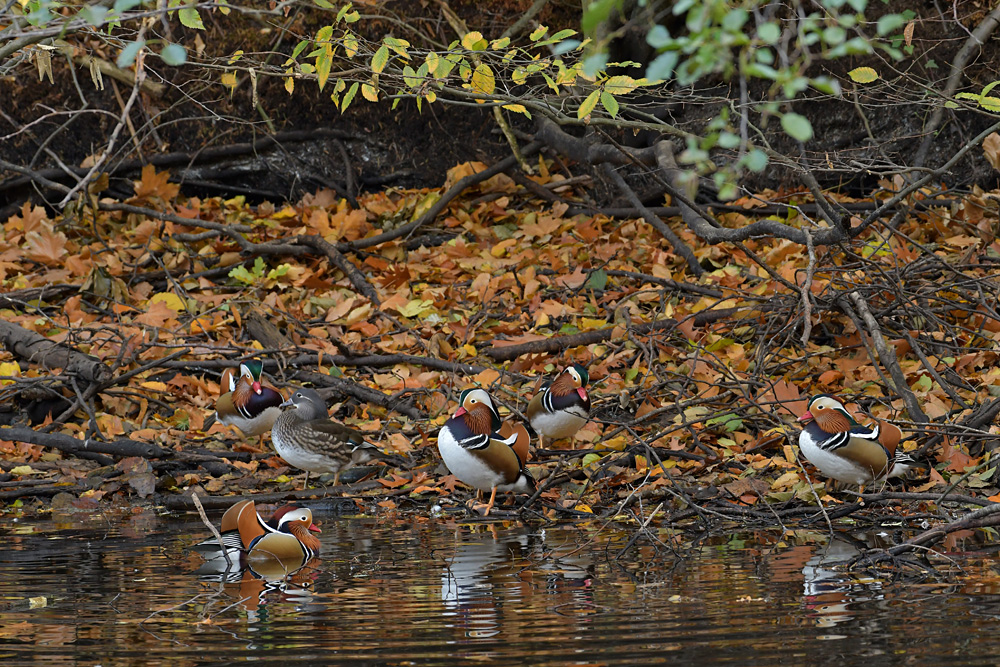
(696, 382)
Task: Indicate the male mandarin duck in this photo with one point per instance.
(287, 536)
(482, 451)
(249, 405)
(308, 440)
(563, 407)
(846, 451)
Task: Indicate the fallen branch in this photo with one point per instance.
(71, 445)
(183, 502)
(558, 343)
(358, 391)
(337, 259)
(440, 204)
(37, 349)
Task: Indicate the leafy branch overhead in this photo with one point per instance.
(565, 75)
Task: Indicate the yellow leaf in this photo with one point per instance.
(789, 479)
(369, 92)
(518, 108)
(620, 85)
(154, 386)
(617, 443)
(10, 369)
(284, 214)
(589, 324)
(472, 40)
(24, 470)
(580, 507)
(483, 80)
(500, 249)
(588, 104)
(863, 75)
(229, 79)
(416, 308)
(169, 299)
(469, 349)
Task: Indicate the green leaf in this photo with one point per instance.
(659, 37)
(348, 97)
(299, 48)
(565, 47)
(591, 458)
(538, 33)
(734, 19)
(888, 23)
(863, 75)
(380, 59)
(190, 17)
(610, 103)
(128, 54)
(769, 33)
(588, 104)
(662, 68)
(597, 280)
(173, 54)
(595, 13)
(755, 160)
(94, 15)
(797, 126)
(594, 63)
(125, 5)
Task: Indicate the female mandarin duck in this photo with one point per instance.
(308, 440)
(846, 451)
(287, 536)
(249, 406)
(482, 451)
(563, 407)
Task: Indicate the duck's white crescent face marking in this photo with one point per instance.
(477, 396)
(297, 515)
(826, 403)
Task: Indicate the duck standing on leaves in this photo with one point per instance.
(844, 450)
(308, 440)
(563, 407)
(248, 405)
(482, 451)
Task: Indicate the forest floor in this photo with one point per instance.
(393, 308)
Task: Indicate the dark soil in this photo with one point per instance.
(402, 147)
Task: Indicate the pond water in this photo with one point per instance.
(105, 588)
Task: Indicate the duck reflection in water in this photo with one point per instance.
(490, 574)
(829, 591)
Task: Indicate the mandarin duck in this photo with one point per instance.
(249, 405)
(308, 440)
(286, 536)
(844, 450)
(482, 451)
(563, 407)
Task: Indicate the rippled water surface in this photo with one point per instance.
(124, 588)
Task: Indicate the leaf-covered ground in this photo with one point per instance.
(696, 382)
